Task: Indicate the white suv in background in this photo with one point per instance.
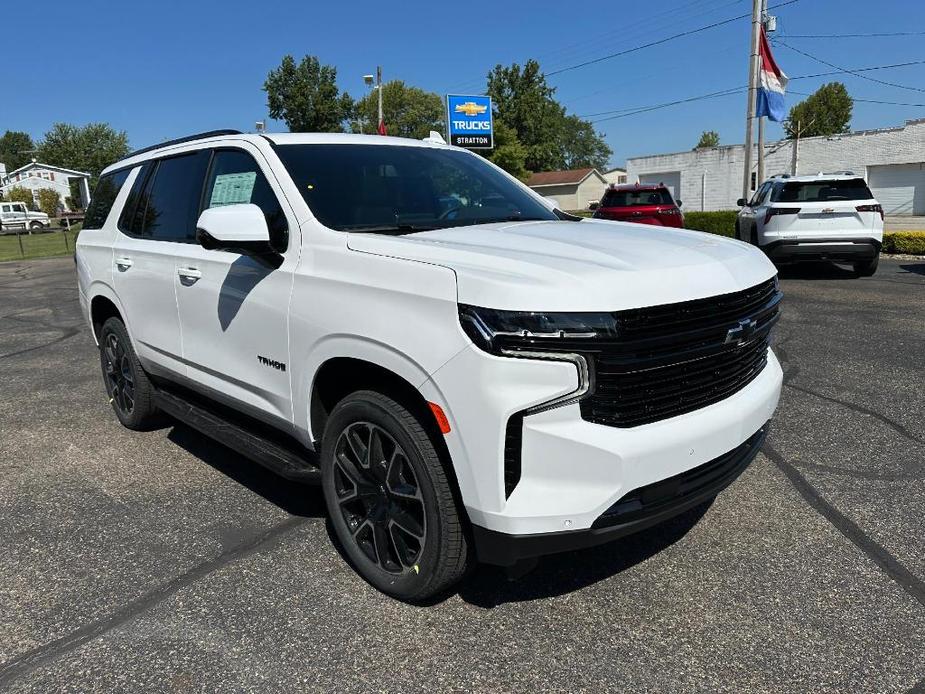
(824, 217)
(471, 374)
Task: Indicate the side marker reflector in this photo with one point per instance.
(439, 415)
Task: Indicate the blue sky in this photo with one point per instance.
(165, 69)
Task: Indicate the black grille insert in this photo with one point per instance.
(672, 359)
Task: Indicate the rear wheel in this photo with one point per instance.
(130, 392)
(867, 268)
(389, 499)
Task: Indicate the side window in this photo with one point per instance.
(236, 178)
(759, 194)
(103, 198)
(130, 221)
(172, 198)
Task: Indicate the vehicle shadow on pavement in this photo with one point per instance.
(564, 573)
(815, 271)
(917, 268)
(295, 498)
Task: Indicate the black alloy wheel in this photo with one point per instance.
(380, 498)
(120, 381)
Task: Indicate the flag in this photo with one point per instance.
(381, 128)
(772, 82)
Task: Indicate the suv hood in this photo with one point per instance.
(578, 266)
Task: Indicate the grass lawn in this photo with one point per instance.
(44, 245)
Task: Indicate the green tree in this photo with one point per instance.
(20, 194)
(827, 111)
(508, 153)
(89, 148)
(306, 96)
(582, 146)
(407, 111)
(708, 138)
(15, 149)
(49, 201)
(525, 103)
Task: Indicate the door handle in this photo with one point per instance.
(123, 264)
(189, 275)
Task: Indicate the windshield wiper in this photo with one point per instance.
(396, 229)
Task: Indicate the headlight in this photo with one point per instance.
(558, 336)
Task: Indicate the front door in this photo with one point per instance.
(156, 224)
(234, 308)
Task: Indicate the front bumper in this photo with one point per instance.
(635, 511)
(847, 250)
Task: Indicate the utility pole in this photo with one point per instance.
(379, 89)
(795, 149)
(764, 12)
(750, 110)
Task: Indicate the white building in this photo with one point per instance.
(617, 176)
(573, 190)
(35, 176)
(892, 160)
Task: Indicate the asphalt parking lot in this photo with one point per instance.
(164, 562)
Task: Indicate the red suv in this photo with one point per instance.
(642, 203)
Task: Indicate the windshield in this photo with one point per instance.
(821, 191)
(394, 189)
(636, 198)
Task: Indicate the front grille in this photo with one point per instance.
(672, 359)
(686, 489)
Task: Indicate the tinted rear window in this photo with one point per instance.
(821, 191)
(636, 198)
(103, 198)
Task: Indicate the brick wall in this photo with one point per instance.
(711, 179)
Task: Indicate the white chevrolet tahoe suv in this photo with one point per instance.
(470, 374)
(823, 217)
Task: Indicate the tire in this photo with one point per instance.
(867, 268)
(127, 386)
(397, 521)
(36, 225)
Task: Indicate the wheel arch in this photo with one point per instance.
(104, 304)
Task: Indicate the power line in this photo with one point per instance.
(868, 101)
(854, 36)
(661, 41)
(646, 109)
(852, 72)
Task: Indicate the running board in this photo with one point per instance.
(297, 465)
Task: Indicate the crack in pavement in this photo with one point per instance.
(908, 581)
(25, 663)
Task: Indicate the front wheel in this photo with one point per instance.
(36, 225)
(866, 268)
(390, 501)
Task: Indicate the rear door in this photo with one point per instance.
(642, 205)
(234, 308)
(156, 226)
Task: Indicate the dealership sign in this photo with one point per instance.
(469, 121)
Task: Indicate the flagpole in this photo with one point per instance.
(752, 89)
(760, 177)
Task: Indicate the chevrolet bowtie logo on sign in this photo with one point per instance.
(469, 122)
(471, 108)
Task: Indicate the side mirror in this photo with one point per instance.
(740, 202)
(594, 205)
(678, 203)
(238, 228)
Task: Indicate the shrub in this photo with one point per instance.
(722, 222)
(911, 242)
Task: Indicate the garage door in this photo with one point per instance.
(899, 188)
(671, 179)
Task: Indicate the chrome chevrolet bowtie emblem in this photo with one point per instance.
(741, 333)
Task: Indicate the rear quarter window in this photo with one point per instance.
(103, 198)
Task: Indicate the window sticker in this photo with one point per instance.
(233, 188)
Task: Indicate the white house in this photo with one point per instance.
(616, 175)
(892, 160)
(573, 189)
(35, 176)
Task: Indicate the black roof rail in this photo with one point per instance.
(181, 140)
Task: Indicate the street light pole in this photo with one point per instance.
(379, 89)
(750, 110)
